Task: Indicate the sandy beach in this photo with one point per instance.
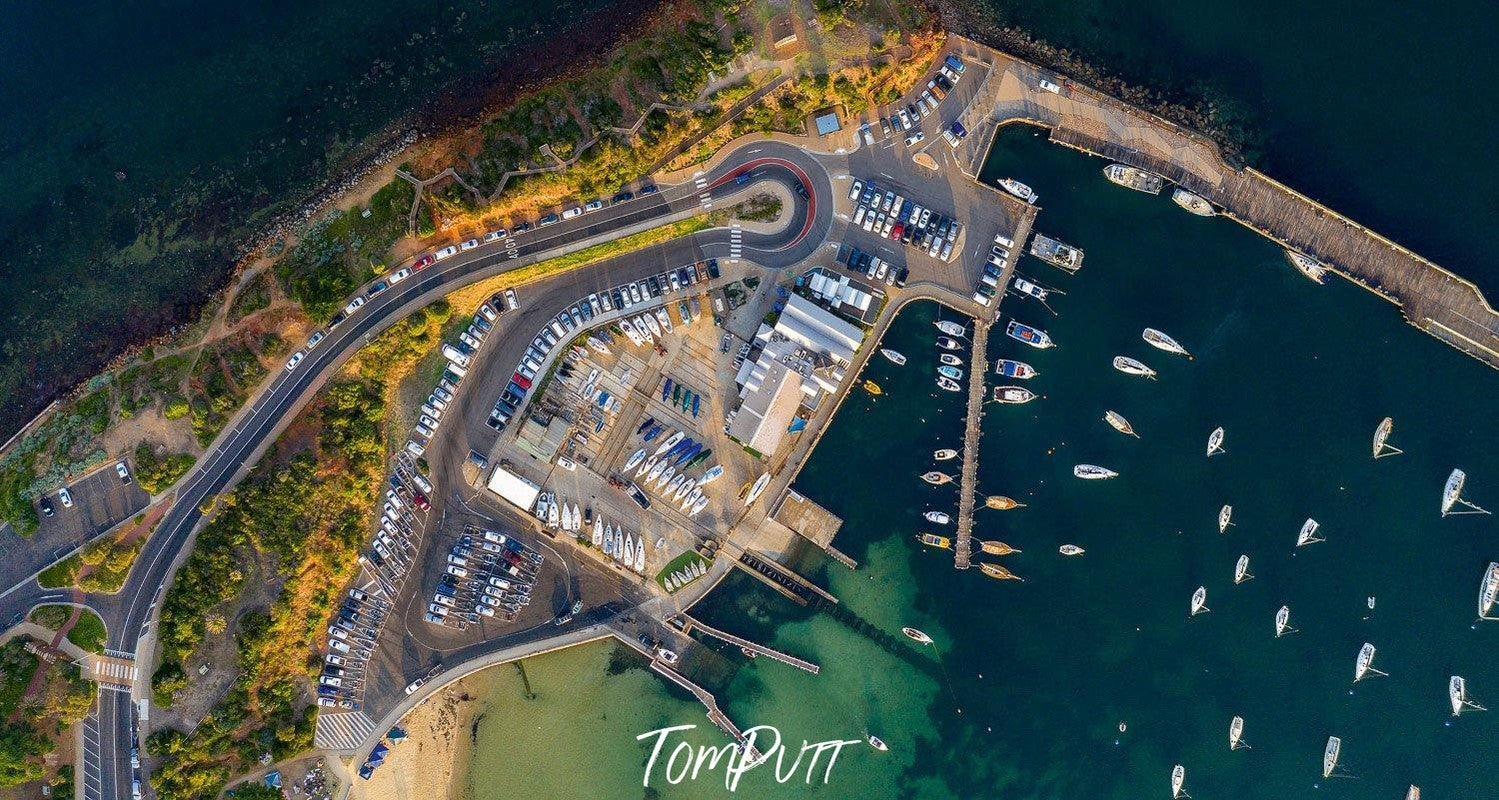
(439, 747)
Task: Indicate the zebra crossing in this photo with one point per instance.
(342, 730)
(736, 242)
(113, 672)
(704, 197)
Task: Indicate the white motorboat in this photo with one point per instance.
(1200, 601)
(1215, 442)
(1029, 289)
(1130, 366)
(1283, 622)
(956, 373)
(1179, 780)
(1011, 368)
(1194, 204)
(554, 514)
(1363, 666)
(1119, 423)
(1013, 395)
(874, 741)
(1488, 590)
(1452, 495)
(894, 356)
(664, 318)
(1382, 446)
(1026, 334)
(937, 517)
(714, 473)
(631, 333)
(1161, 341)
(916, 635)
(650, 322)
(670, 442)
(1225, 514)
(634, 460)
(1071, 550)
(1457, 694)
(949, 360)
(1018, 189)
(1308, 533)
(1236, 734)
(645, 333)
(951, 328)
(1092, 472)
(1330, 755)
(945, 454)
(948, 384)
(1314, 270)
(1134, 178)
(1241, 570)
(757, 489)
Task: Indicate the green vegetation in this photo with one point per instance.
(255, 295)
(52, 617)
(88, 633)
(225, 373)
(16, 669)
(15, 496)
(760, 208)
(341, 251)
(157, 472)
(21, 750)
(681, 562)
(255, 791)
(609, 249)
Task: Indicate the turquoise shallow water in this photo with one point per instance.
(1035, 677)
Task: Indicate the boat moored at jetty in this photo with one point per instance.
(1029, 289)
(873, 388)
(1035, 337)
(945, 454)
(949, 343)
(1161, 341)
(1013, 395)
(937, 517)
(997, 548)
(936, 478)
(1313, 269)
(1193, 203)
(894, 356)
(951, 328)
(1014, 369)
(1001, 503)
(944, 382)
(933, 540)
(1018, 189)
(949, 359)
(1134, 178)
(1092, 472)
(1059, 255)
(998, 573)
(951, 372)
(1130, 366)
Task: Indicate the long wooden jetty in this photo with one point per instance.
(968, 483)
(1432, 298)
(778, 575)
(759, 649)
(715, 714)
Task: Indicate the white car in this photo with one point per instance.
(442, 599)
(428, 421)
(464, 337)
(314, 339)
(485, 610)
(914, 138)
(445, 252)
(421, 482)
(856, 190)
(979, 298)
(329, 680)
(494, 236)
(869, 221)
(593, 205)
(469, 245)
(575, 211)
(510, 299)
(296, 358)
(400, 275)
(414, 685)
(66, 497)
(354, 305)
(121, 471)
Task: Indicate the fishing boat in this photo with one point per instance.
(759, 487)
(1225, 514)
(1308, 533)
(951, 328)
(1060, 255)
(948, 384)
(671, 441)
(916, 635)
(666, 388)
(894, 357)
(1236, 734)
(1161, 341)
(873, 388)
(1018, 189)
(697, 505)
(951, 372)
(1071, 550)
(945, 454)
(714, 473)
(1457, 693)
(1130, 366)
(1134, 178)
(1194, 204)
(1488, 590)
(1452, 495)
(1001, 503)
(1241, 570)
(936, 478)
(1014, 369)
(1363, 666)
(938, 517)
(933, 540)
(1035, 337)
(874, 741)
(1215, 442)
(1283, 622)
(1029, 289)
(949, 359)
(1314, 270)
(949, 343)
(1013, 395)
(1119, 423)
(997, 548)
(1178, 780)
(1199, 601)
(999, 573)
(1091, 472)
(1330, 755)
(1382, 446)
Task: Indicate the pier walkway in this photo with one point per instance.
(760, 649)
(968, 483)
(787, 582)
(1430, 297)
(715, 714)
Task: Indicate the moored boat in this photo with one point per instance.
(1457, 694)
(938, 517)
(949, 359)
(873, 388)
(1013, 395)
(1452, 495)
(1071, 550)
(894, 356)
(949, 343)
(948, 384)
(1018, 189)
(1330, 755)
(1314, 270)
(1161, 341)
(1035, 337)
(1488, 590)
(1283, 621)
(1092, 472)
(1363, 666)
(1225, 514)
(1001, 503)
(874, 741)
(994, 548)
(916, 635)
(1014, 369)
(1058, 254)
(1199, 603)
(1029, 289)
(951, 328)
(1215, 442)
(1308, 533)
(936, 478)
(1134, 178)
(945, 454)
(1178, 780)
(950, 372)
(1119, 423)
(999, 573)
(1130, 366)
(1382, 446)
(933, 540)
(1241, 570)
(1193, 203)
(1236, 733)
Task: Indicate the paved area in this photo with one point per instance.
(101, 501)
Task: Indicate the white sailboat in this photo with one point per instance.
(1283, 622)
(650, 477)
(640, 555)
(1091, 472)
(670, 442)
(1457, 694)
(1330, 755)
(1488, 590)
(629, 549)
(1130, 366)
(692, 497)
(713, 474)
(1241, 570)
(1452, 495)
(1382, 446)
(608, 546)
(757, 489)
(1236, 734)
(698, 505)
(1215, 442)
(665, 478)
(1119, 423)
(1364, 666)
(685, 489)
(1308, 533)
(1178, 781)
(1161, 341)
(1071, 550)
(598, 531)
(634, 460)
(673, 486)
(1224, 515)
(646, 466)
(1200, 601)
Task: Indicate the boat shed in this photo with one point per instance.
(816, 329)
(838, 291)
(768, 408)
(513, 488)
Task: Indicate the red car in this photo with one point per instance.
(896, 231)
(521, 381)
(423, 262)
(421, 501)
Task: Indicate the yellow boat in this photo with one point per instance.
(1002, 503)
(999, 573)
(744, 490)
(873, 388)
(933, 540)
(997, 548)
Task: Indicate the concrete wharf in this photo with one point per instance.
(760, 649)
(968, 483)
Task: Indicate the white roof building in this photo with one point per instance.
(837, 291)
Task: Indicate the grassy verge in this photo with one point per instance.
(679, 563)
(88, 632)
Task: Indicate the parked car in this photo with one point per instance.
(47, 507)
(354, 304)
(423, 262)
(593, 205)
(575, 211)
(469, 244)
(445, 252)
(296, 358)
(121, 471)
(400, 275)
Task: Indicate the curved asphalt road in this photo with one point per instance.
(128, 613)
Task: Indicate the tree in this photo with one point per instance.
(214, 623)
(21, 748)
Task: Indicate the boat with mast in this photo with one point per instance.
(712, 474)
(1308, 533)
(1130, 366)
(999, 502)
(945, 454)
(995, 548)
(1134, 178)
(1013, 395)
(1382, 446)
(936, 478)
(894, 356)
(1119, 423)
(1193, 203)
(1314, 270)
(634, 460)
(1200, 601)
(951, 328)
(1018, 189)
(1413, 793)
(999, 573)
(1010, 368)
(1225, 514)
(1241, 570)
(1215, 442)
(1071, 550)
(1330, 755)
(1283, 622)
(1488, 591)
(933, 540)
(1457, 694)
(1236, 734)
(670, 442)
(1161, 341)
(757, 489)
(1363, 666)
(916, 635)
(1035, 337)
(1178, 781)
(1093, 472)
(1452, 495)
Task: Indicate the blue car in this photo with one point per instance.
(649, 189)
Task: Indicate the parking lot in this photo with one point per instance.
(101, 500)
